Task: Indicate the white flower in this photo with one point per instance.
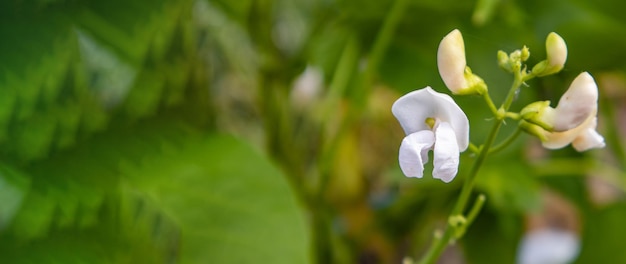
(453, 67)
(431, 120)
(574, 119)
(548, 246)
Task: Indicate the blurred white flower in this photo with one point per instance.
(431, 120)
(453, 67)
(307, 87)
(548, 246)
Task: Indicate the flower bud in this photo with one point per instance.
(556, 51)
(503, 61)
(453, 68)
(539, 113)
(525, 53)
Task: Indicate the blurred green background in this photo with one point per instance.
(260, 131)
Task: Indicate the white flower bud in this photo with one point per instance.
(453, 67)
(451, 60)
(556, 51)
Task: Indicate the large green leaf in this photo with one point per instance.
(204, 198)
(232, 205)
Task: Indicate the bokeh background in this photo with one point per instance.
(260, 131)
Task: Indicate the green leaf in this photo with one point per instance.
(203, 199)
(232, 205)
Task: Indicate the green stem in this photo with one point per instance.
(437, 248)
(480, 201)
(382, 42)
(517, 82)
(473, 148)
(490, 104)
(440, 244)
(469, 182)
(341, 80)
(341, 77)
(507, 141)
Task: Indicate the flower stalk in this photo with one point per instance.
(573, 122)
(451, 231)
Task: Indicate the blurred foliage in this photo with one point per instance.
(179, 131)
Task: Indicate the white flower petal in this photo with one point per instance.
(451, 61)
(548, 246)
(446, 156)
(577, 104)
(557, 140)
(588, 139)
(412, 109)
(582, 138)
(414, 152)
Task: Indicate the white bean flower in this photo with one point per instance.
(574, 120)
(453, 68)
(431, 120)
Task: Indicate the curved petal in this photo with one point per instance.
(451, 61)
(414, 152)
(577, 103)
(588, 139)
(582, 137)
(557, 140)
(446, 156)
(412, 109)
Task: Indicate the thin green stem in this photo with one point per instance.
(478, 204)
(490, 104)
(517, 82)
(473, 148)
(469, 182)
(511, 115)
(507, 141)
(382, 42)
(440, 244)
(341, 78)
